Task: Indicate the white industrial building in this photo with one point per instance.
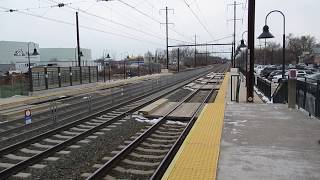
(65, 57)
(14, 56)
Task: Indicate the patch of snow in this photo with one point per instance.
(188, 88)
(143, 119)
(176, 122)
(264, 98)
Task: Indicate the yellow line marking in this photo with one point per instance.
(198, 156)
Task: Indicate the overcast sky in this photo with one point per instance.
(119, 29)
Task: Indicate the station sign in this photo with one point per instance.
(293, 73)
(28, 116)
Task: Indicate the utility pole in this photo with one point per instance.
(251, 26)
(234, 31)
(195, 50)
(167, 35)
(78, 47)
(235, 4)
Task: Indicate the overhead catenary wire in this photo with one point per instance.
(120, 24)
(82, 26)
(59, 5)
(173, 39)
(113, 22)
(152, 18)
(199, 20)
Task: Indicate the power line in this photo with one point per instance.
(226, 37)
(126, 26)
(150, 17)
(82, 26)
(59, 5)
(111, 21)
(204, 27)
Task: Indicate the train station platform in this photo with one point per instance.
(248, 142)
(198, 156)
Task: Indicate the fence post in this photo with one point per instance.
(109, 72)
(97, 73)
(70, 73)
(59, 76)
(104, 72)
(89, 69)
(30, 80)
(80, 68)
(46, 77)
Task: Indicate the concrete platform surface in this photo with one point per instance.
(269, 141)
(153, 106)
(183, 112)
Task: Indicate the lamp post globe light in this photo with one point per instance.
(266, 35)
(35, 53)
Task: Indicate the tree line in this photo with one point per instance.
(296, 48)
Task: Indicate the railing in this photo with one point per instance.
(264, 86)
(16, 84)
(308, 96)
(54, 77)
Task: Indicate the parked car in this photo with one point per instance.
(267, 70)
(258, 69)
(274, 73)
(313, 78)
(278, 78)
(301, 74)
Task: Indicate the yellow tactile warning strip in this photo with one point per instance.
(198, 156)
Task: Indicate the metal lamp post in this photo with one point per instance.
(109, 66)
(243, 45)
(266, 35)
(35, 53)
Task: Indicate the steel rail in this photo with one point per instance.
(107, 167)
(174, 149)
(66, 116)
(23, 164)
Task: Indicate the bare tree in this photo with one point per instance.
(297, 45)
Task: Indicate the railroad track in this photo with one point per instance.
(22, 132)
(15, 158)
(148, 155)
(73, 105)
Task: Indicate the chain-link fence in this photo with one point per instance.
(15, 84)
(54, 77)
(43, 78)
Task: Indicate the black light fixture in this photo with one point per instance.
(242, 44)
(35, 52)
(266, 33)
